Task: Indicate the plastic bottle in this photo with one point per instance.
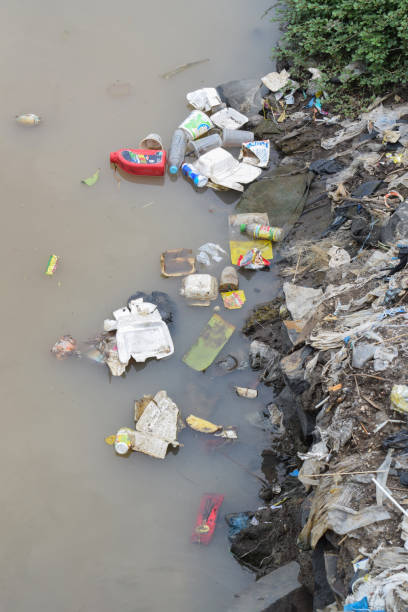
(140, 161)
(198, 179)
(262, 232)
(124, 440)
(235, 138)
(202, 145)
(177, 150)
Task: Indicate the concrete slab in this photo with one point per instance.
(280, 587)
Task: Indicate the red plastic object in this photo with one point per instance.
(206, 518)
(140, 161)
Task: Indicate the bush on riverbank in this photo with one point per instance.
(331, 34)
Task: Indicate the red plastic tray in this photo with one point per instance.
(207, 518)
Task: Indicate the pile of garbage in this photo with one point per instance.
(333, 346)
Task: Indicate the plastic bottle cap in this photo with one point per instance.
(121, 448)
(243, 227)
(173, 169)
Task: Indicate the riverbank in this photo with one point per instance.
(341, 296)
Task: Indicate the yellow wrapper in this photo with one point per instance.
(241, 247)
(233, 299)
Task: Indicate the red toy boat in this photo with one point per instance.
(206, 518)
(140, 161)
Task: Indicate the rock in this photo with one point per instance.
(297, 140)
(293, 370)
(278, 591)
(362, 353)
(397, 227)
(244, 95)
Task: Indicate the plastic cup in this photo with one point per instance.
(235, 138)
(202, 145)
(151, 141)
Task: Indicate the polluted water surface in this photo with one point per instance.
(85, 529)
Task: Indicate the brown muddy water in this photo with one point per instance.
(82, 528)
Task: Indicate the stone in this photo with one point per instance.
(292, 367)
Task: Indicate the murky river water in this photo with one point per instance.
(83, 529)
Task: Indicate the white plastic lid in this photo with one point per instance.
(121, 448)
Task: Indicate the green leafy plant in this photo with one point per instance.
(331, 34)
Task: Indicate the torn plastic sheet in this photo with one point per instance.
(141, 332)
(349, 327)
(386, 590)
(229, 118)
(223, 169)
(382, 119)
(204, 99)
(332, 501)
(210, 253)
(368, 161)
(301, 301)
(255, 153)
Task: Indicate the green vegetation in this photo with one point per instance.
(330, 34)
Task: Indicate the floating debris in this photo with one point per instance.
(92, 179)
(172, 73)
(28, 119)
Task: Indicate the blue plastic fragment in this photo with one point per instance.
(295, 473)
(318, 104)
(357, 605)
(311, 103)
(237, 522)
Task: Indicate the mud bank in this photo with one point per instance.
(332, 348)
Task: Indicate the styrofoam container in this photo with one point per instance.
(199, 289)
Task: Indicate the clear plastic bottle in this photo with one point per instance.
(198, 179)
(262, 232)
(178, 148)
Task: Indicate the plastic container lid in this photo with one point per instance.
(173, 169)
(121, 448)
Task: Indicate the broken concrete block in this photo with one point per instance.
(278, 591)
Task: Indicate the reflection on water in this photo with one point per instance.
(84, 529)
